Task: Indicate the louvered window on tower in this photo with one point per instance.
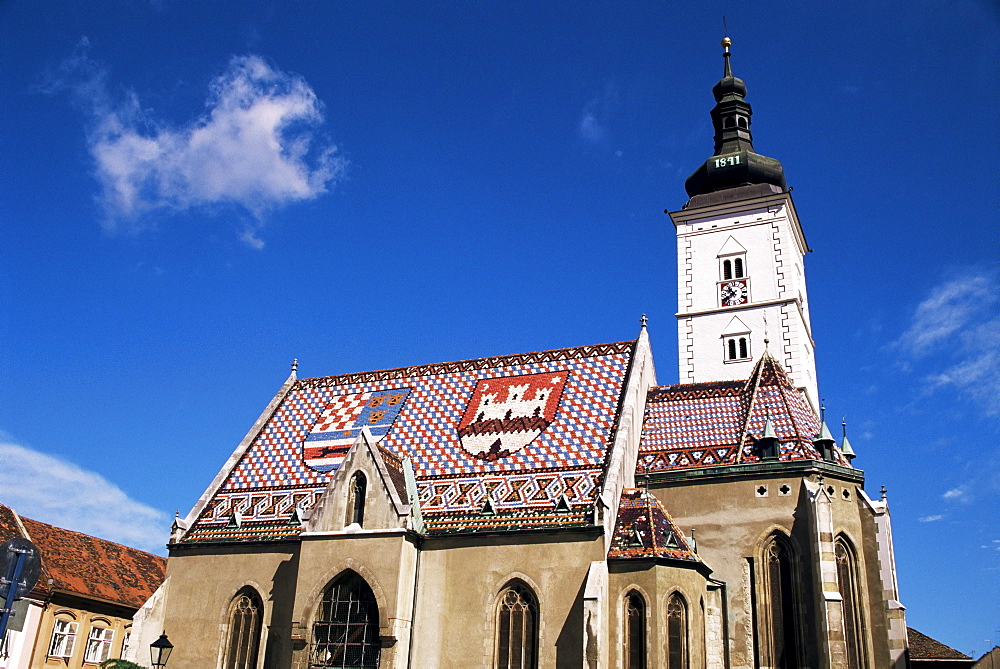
(738, 268)
(731, 345)
(743, 348)
(727, 269)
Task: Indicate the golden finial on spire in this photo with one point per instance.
(726, 43)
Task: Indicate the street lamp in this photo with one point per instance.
(160, 649)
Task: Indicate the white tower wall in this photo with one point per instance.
(764, 234)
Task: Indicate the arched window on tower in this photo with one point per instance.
(635, 631)
(356, 500)
(516, 628)
(245, 614)
(727, 269)
(738, 268)
(744, 352)
(731, 345)
(730, 122)
(346, 630)
(847, 580)
(677, 633)
(780, 643)
(741, 121)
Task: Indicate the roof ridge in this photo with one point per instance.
(425, 369)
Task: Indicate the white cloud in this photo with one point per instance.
(590, 129)
(931, 519)
(958, 493)
(956, 330)
(253, 146)
(58, 492)
(949, 307)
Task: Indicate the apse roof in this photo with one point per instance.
(86, 566)
(644, 529)
(716, 423)
(521, 430)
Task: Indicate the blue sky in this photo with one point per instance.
(196, 193)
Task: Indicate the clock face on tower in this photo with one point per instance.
(732, 293)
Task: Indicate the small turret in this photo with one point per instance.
(845, 445)
(824, 443)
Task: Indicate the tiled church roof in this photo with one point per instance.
(521, 430)
(83, 565)
(644, 529)
(717, 423)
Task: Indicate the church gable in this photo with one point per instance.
(718, 423)
(521, 431)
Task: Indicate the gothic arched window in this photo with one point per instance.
(847, 579)
(782, 644)
(245, 614)
(356, 499)
(517, 628)
(346, 630)
(635, 631)
(677, 632)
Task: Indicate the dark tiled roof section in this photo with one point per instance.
(87, 566)
(395, 467)
(922, 647)
(644, 529)
(717, 423)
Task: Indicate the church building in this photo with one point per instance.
(561, 508)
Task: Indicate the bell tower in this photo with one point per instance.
(740, 248)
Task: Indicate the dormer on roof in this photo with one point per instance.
(645, 530)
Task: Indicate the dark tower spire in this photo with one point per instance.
(734, 162)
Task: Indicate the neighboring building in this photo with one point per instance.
(990, 660)
(80, 612)
(540, 510)
(928, 653)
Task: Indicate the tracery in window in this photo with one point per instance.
(245, 619)
(517, 628)
(847, 579)
(356, 499)
(98, 644)
(677, 632)
(635, 631)
(781, 645)
(63, 638)
(346, 631)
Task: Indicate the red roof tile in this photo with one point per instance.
(87, 566)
